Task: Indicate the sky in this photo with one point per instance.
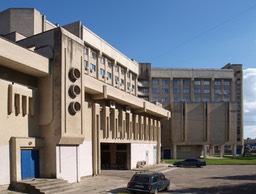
(169, 33)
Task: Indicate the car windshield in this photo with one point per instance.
(141, 179)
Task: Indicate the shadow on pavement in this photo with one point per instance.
(238, 177)
(248, 188)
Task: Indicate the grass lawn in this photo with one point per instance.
(226, 160)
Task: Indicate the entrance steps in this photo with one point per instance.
(44, 186)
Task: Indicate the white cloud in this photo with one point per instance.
(249, 83)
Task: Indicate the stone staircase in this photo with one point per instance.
(44, 186)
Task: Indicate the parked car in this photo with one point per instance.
(190, 162)
(148, 182)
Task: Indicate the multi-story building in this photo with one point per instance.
(206, 106)
(69, 104)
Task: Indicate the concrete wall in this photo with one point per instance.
(143, 152)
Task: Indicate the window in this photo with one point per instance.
(206, 100)
(128, 75)
(186, 99)
(85, 50)
(109, 64)
(109, 75)
(133, 77)
(144, 82)
(122, 70)
(197, 99)
(176, 82)
(166, 99)
(176, 99)
(92, 67)
(116, 78)
(226, 83)
(102, 60)
(116, 68)
(226, 99)
(155, 90)
(218, 99)
(155, 82)
(102, 72)
(206, 91)
(217, 91)
(165, 90)
(155, 99)
(217, 83)
(197, 91)
(186, 82)
(176, 91)
(93, 55)
(206, 83)
(165, 82)
(144, 90)
(186, 91)
(85, 65)
(226, 92)
(197, 83)
(122, 81)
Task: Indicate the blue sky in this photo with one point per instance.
(169, 33)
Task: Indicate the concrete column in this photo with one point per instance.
(234, 149)
(205, 151)
(174, 151)
(221, 151)
(95, 139)
(158, 142)
(211, 148)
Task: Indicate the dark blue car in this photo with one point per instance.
(190, 162)
(148, 182)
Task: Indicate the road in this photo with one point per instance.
(228, 179)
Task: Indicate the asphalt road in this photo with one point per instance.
(226, 179)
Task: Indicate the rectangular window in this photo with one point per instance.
(176, 82)
(226, 99)
(176, 99)
(227, 83)
(109, 64)
(92, 67)
(85, 50)
(197, 99)
(116, 68)
(116, 79)
(206, 99)
(186, 91)
(85, 65)
(186, 99)
(197, 91)
(122, 70)
(206, 91)
(102, 60)
(217, 91)
(155, 90)
(217, 83)
(165, 82)
(166, 99)
(93, 54)
(109, 75)
(186, 82)
(133, 77)
(226, 92)
(155, 82)
(197, 83)
(206, 83)
(128, 75)
(145, 90)
(176, 91)
(102, 72)
(165, 90)
(218, 99)
(122, 81)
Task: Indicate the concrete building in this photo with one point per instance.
(206, 106)
(69, 103)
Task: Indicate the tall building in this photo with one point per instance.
(206, 106)
(69, 104)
